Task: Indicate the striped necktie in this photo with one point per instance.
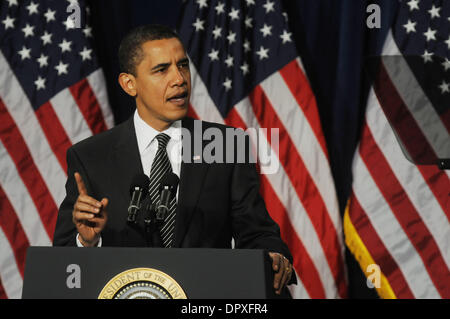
(161, 166)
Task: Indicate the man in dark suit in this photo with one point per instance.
(215, 201)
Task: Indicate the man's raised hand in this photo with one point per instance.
(88, 215)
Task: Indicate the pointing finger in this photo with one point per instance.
(80, 184)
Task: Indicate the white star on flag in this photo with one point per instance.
(28, 30)
(286, 37)
(430, 34)
(87, 31)
(40, 83)
(202, 3)
(229, 61)
(434, 12)
(8, 22)
(46, 38)
(269, 6)
(62, 68)
(24, 53)
(42, 60)
(231, 37)
(248, 22)
(244, 68)
(266, 30)
(12, 3)
(427, 56)
(446, 64)
(214, 55)
(227, 84)
(32, 8)
(65, 45)
(50, 15)
(220, 8)
(263, 53)
(444, 87)
(413, 4)
(234, 14)
(410, 26)
(86, 54)
(198, 24)
(217, 32)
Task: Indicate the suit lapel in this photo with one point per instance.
(126, 159)
(192, 175)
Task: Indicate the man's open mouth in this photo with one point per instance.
(179, 97)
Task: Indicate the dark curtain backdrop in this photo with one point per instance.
(333, 41)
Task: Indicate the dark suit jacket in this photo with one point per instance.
(216, 201)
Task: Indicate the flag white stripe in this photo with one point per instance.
(306, 143)
(410, 178)
(21, 201)
(410, 91)
(97, 82)
(390, 232)
(21, 111)
(9, 272)
(298, 217)
(201, 101)
(70, 117)
(298, 291)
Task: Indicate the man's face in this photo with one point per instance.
(163, 83)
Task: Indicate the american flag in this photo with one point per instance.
(246, 73)
(398, 215)
(52, 95)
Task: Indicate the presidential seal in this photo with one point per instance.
(142, 283)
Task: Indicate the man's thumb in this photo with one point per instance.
(104, 202)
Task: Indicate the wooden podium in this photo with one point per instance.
(197, 273)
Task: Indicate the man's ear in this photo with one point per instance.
(128, 83)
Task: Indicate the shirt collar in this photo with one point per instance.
(145, 133)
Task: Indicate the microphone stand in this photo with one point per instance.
(152, 227)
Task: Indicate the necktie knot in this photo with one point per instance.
(163, 139)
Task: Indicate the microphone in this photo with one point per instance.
(168, 188)
(138, 190)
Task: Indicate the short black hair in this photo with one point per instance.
(130, 49)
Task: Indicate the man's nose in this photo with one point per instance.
(177, 77)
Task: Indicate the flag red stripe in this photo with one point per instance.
(304, 186)
(191, 113)
(439, 183)
(302, 261)
(404, 211)
(235, 120)
(2, 291)
(29, 173)
(298, 84)
(54, 132)
(13, 230)
(378, 251)
(400, 116)
(89, 106)
(445, 118)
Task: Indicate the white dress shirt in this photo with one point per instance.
(148, 146)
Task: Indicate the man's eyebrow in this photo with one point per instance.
(160, 66)
(167, 64)
(184, 60)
